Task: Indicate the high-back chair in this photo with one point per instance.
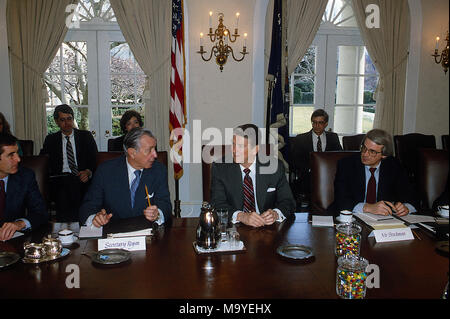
(27, 147)
(432, 175)
(352, 142)
(323, 171)
(40, 165)
(406, 151)
(445, 142)
(105, 156)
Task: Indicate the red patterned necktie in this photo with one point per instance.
(371, 196)
(249, 195)
(2, 198)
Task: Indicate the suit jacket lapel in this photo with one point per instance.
(310, 143)
(261, 188)
(361, 171)
(237, 185)
(59, 148)
(78, 146)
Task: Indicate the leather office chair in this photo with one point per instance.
(110, 144)
(323, 171)
(352, 142)
(432, 175)
(27, 147)
(104, 156)
(406, 151)
(445, 142)
(40, 165)
(210, 154)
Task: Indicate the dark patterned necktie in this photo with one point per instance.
(371, 196)
(70, 157)
(249, 195)
(319, 144)
(2, 198)
(134, 185)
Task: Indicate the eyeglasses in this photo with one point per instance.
(318, 122)
(66, 119)
(372, 153)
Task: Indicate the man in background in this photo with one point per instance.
(72, 158)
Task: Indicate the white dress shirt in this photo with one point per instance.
(252, 175)
(323, 140)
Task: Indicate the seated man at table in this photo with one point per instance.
(373, 181)
(252, 193)
(118, 188)
(18, 191)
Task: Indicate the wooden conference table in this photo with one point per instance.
(170, 268)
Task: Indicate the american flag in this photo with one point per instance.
(177, 90)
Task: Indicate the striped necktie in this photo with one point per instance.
(134, 185)
(71, 157)
(249, 195)
(319, 144)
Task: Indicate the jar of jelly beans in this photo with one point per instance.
(351, 277)
(348, 239)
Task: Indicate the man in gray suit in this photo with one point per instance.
(244, 187)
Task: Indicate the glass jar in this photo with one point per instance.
(348, 239)
(351, 277)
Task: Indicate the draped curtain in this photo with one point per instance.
(303, 18)
(146, 26)
(36, 29)
(388, 47)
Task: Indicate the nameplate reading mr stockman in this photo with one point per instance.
(128, 243)
(393, 234)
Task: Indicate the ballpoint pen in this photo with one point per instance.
(148, 197)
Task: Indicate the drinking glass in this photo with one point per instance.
(223, 222)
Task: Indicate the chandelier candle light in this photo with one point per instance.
(220, 38)
(444, 54)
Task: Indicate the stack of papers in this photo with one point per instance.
(324, 221)
(90, 232)
(144, 232)
(379, 221)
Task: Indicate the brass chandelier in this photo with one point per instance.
(444, 54)
(220, 38)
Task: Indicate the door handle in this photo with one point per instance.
(93, 133)
(107, 133)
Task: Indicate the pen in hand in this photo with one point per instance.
(391, 207)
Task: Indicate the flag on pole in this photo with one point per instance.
(177, 117)
(279, 115)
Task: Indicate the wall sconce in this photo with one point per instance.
(220, 38)
(444, 55)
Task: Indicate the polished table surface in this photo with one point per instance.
(170, 268)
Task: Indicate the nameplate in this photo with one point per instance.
(128, 243)
(393, 234)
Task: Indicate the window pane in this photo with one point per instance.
(353, 119)
(76, 89)
(75, 57)
(122, 60)
(370, 85)
(308, 63)
(348, 90)
(53, 83)
(140, 86)
(304, 89)
(116, 115)
(301, 119)
(81, 117)
(122, 89)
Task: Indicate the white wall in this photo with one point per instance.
(432, 116)
(219, 99)
(5, 85)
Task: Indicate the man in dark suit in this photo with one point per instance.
(18, 191)
(234, 185)
(118, 187)
(316, 140)
(72, 160)
(373, 181)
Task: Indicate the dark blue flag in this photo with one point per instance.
(280, 109)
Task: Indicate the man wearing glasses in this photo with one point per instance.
(373, 181)
(72, 157)
(316, 140)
